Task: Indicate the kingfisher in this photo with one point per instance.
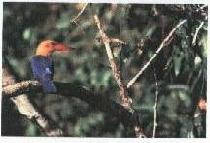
(42, 63)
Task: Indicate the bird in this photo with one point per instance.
(42, 63)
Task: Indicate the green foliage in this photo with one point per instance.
(87, 125)
(178, 60)
(180, 67)
(32, 130)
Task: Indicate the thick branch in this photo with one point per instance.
(126, 116)
(24, 105)
(72, 90)
(69, 90)
(162, 45)
(15, 89)
(125, 100)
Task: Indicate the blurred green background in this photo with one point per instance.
(180, 68)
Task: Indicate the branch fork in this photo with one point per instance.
(125, 100)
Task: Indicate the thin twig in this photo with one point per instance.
(133, 80)
(196, 80)
(155, 107)
(80, 13)
(178, 87)
(125, 100)
(202, 7)
(154, 10)
(196, 33)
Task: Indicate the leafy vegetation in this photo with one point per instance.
(180, 68)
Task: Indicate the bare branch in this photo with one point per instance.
(115, 40)
(196, 33)
(24, 105)
(13, 89)
(155, 107)
(70, 90)
(162, 45)
(65, 89)
(125, 100)
(80, 13)
(201, 8)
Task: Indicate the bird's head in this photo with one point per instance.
(47, 47)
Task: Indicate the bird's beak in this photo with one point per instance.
(63, 48)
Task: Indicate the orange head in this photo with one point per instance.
(47, 47)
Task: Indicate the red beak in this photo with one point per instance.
(61, 47)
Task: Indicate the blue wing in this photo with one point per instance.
(43, 71)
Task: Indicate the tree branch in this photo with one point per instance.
(125, 100)
(196, 33)
(16, 89)
(162, 45)
(24, 105)
(80, 13)
(155, 107)
(71, 90)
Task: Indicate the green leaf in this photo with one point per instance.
(63, 22)
(204, 44)
(177, 60)
(27, 34)
(197, 61)
(31, 130)
(177, 65)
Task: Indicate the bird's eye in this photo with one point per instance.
(53, 43)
